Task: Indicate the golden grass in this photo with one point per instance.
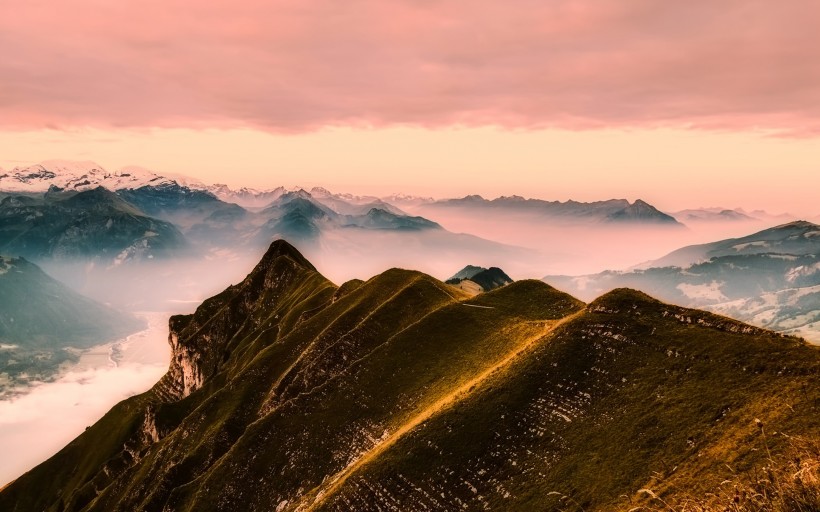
(790, 483)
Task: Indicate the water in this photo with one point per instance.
(43, 418)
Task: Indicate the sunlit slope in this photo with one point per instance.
(402, 393)
(306, 376)
(633, 394)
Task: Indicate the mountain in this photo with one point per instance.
(170, 199)
(791, 310)
(288, 393)
(485, 278)
(377, 218)
(245, 196)
(641, 212)
(75, 176)
(712, 215)
(298, 215)
(613, 210)
(200, 215)
(40, 318)
(731, 277)
(795, 238)
(349, 204)
(93, 224)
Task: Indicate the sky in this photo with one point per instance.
(682, 104)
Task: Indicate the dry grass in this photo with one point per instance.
(789, 483)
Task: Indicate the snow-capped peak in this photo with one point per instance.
(70, 175)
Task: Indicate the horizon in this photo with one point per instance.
(679, 105)
(12, 165)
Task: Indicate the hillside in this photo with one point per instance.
(795, 238)
(40, 317)
(95, 223)
(286, 392)
(767, 278)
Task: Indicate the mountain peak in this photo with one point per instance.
(282, 249)
(800, 224)
(641, 211)
(622, 299)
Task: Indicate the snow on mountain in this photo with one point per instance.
(76, 176)
(245, 196)
(351, 204)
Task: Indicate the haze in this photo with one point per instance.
(682, 105)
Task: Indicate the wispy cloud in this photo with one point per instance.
(297, 65)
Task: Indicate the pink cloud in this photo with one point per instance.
(297, 65)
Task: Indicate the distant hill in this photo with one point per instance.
(487, 279)
(732, 276)
(288, 393)
(796, 238)
(39, 317)
(299, 215)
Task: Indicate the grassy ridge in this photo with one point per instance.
(403, 393)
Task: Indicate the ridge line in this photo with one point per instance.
(444, 403)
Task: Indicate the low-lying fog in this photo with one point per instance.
(36, 424)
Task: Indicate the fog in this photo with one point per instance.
(36, 424)
(577, 247)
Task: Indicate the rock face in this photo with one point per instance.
(401, 393)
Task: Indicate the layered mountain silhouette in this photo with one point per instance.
(769, 278)
(95, 223)
(286, 392)
(40, 317)
(611, 211)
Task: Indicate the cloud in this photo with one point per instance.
(292, 66)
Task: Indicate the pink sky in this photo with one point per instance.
(96, 79)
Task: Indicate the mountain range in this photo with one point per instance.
(93, 224)
(610, 211)
(286, 392)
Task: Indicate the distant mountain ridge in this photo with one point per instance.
(612, 210)
(93, 223)
(66, 175)
(768, 278)
(794, 238)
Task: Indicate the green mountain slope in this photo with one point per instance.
(401, 393)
